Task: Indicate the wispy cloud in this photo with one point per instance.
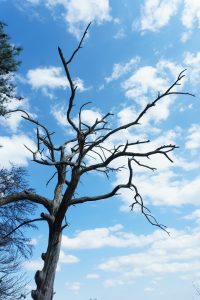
(74, 286)
(120, 69)
(192, 62)
(193, 137)
(88, 116)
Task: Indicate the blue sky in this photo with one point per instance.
(134, 49)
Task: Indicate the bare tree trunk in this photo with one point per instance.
(45, 278)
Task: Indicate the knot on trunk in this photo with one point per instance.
(34, 295)
(39, 278)
(44, 255)
(50, 219)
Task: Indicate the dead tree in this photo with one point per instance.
(73, 159)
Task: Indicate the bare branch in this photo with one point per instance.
(26, 195)
(168, 92)
(22, 224)
(51, 178)
(72, 88)
(80, 44)
(116, 154)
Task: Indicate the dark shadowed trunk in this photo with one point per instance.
(45, 278)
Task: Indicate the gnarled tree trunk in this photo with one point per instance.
(45, 278)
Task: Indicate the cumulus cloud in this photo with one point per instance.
(164, 255)
(149, 79)
(80, 12)
(163, 189)
(146, 82)
(152, 11)
(107, 237)
(46, 77)
(13, 150)
(50, 78)
(37, 264)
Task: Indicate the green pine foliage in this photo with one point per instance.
(8, 66)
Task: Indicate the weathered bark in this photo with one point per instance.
(45, 278)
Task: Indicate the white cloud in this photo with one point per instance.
(49, 78)
(178, 253)
(190, 17)
(151, 11)
(13, 150)
(163, 189)
(192, 62)
(33, 265)
(80, 85)
(150, 79)
(127, 115)
(157, 13)
(193, 137)
(92, 276)
(120, 34)
(195, 215)
(60, 114)
(88, 116)
(12, 122)
(107, 237)
(146, 82)
(191, 14)
(80, 12)
(46, 77)
(74, 286)
(67, 259)
(121, 69)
